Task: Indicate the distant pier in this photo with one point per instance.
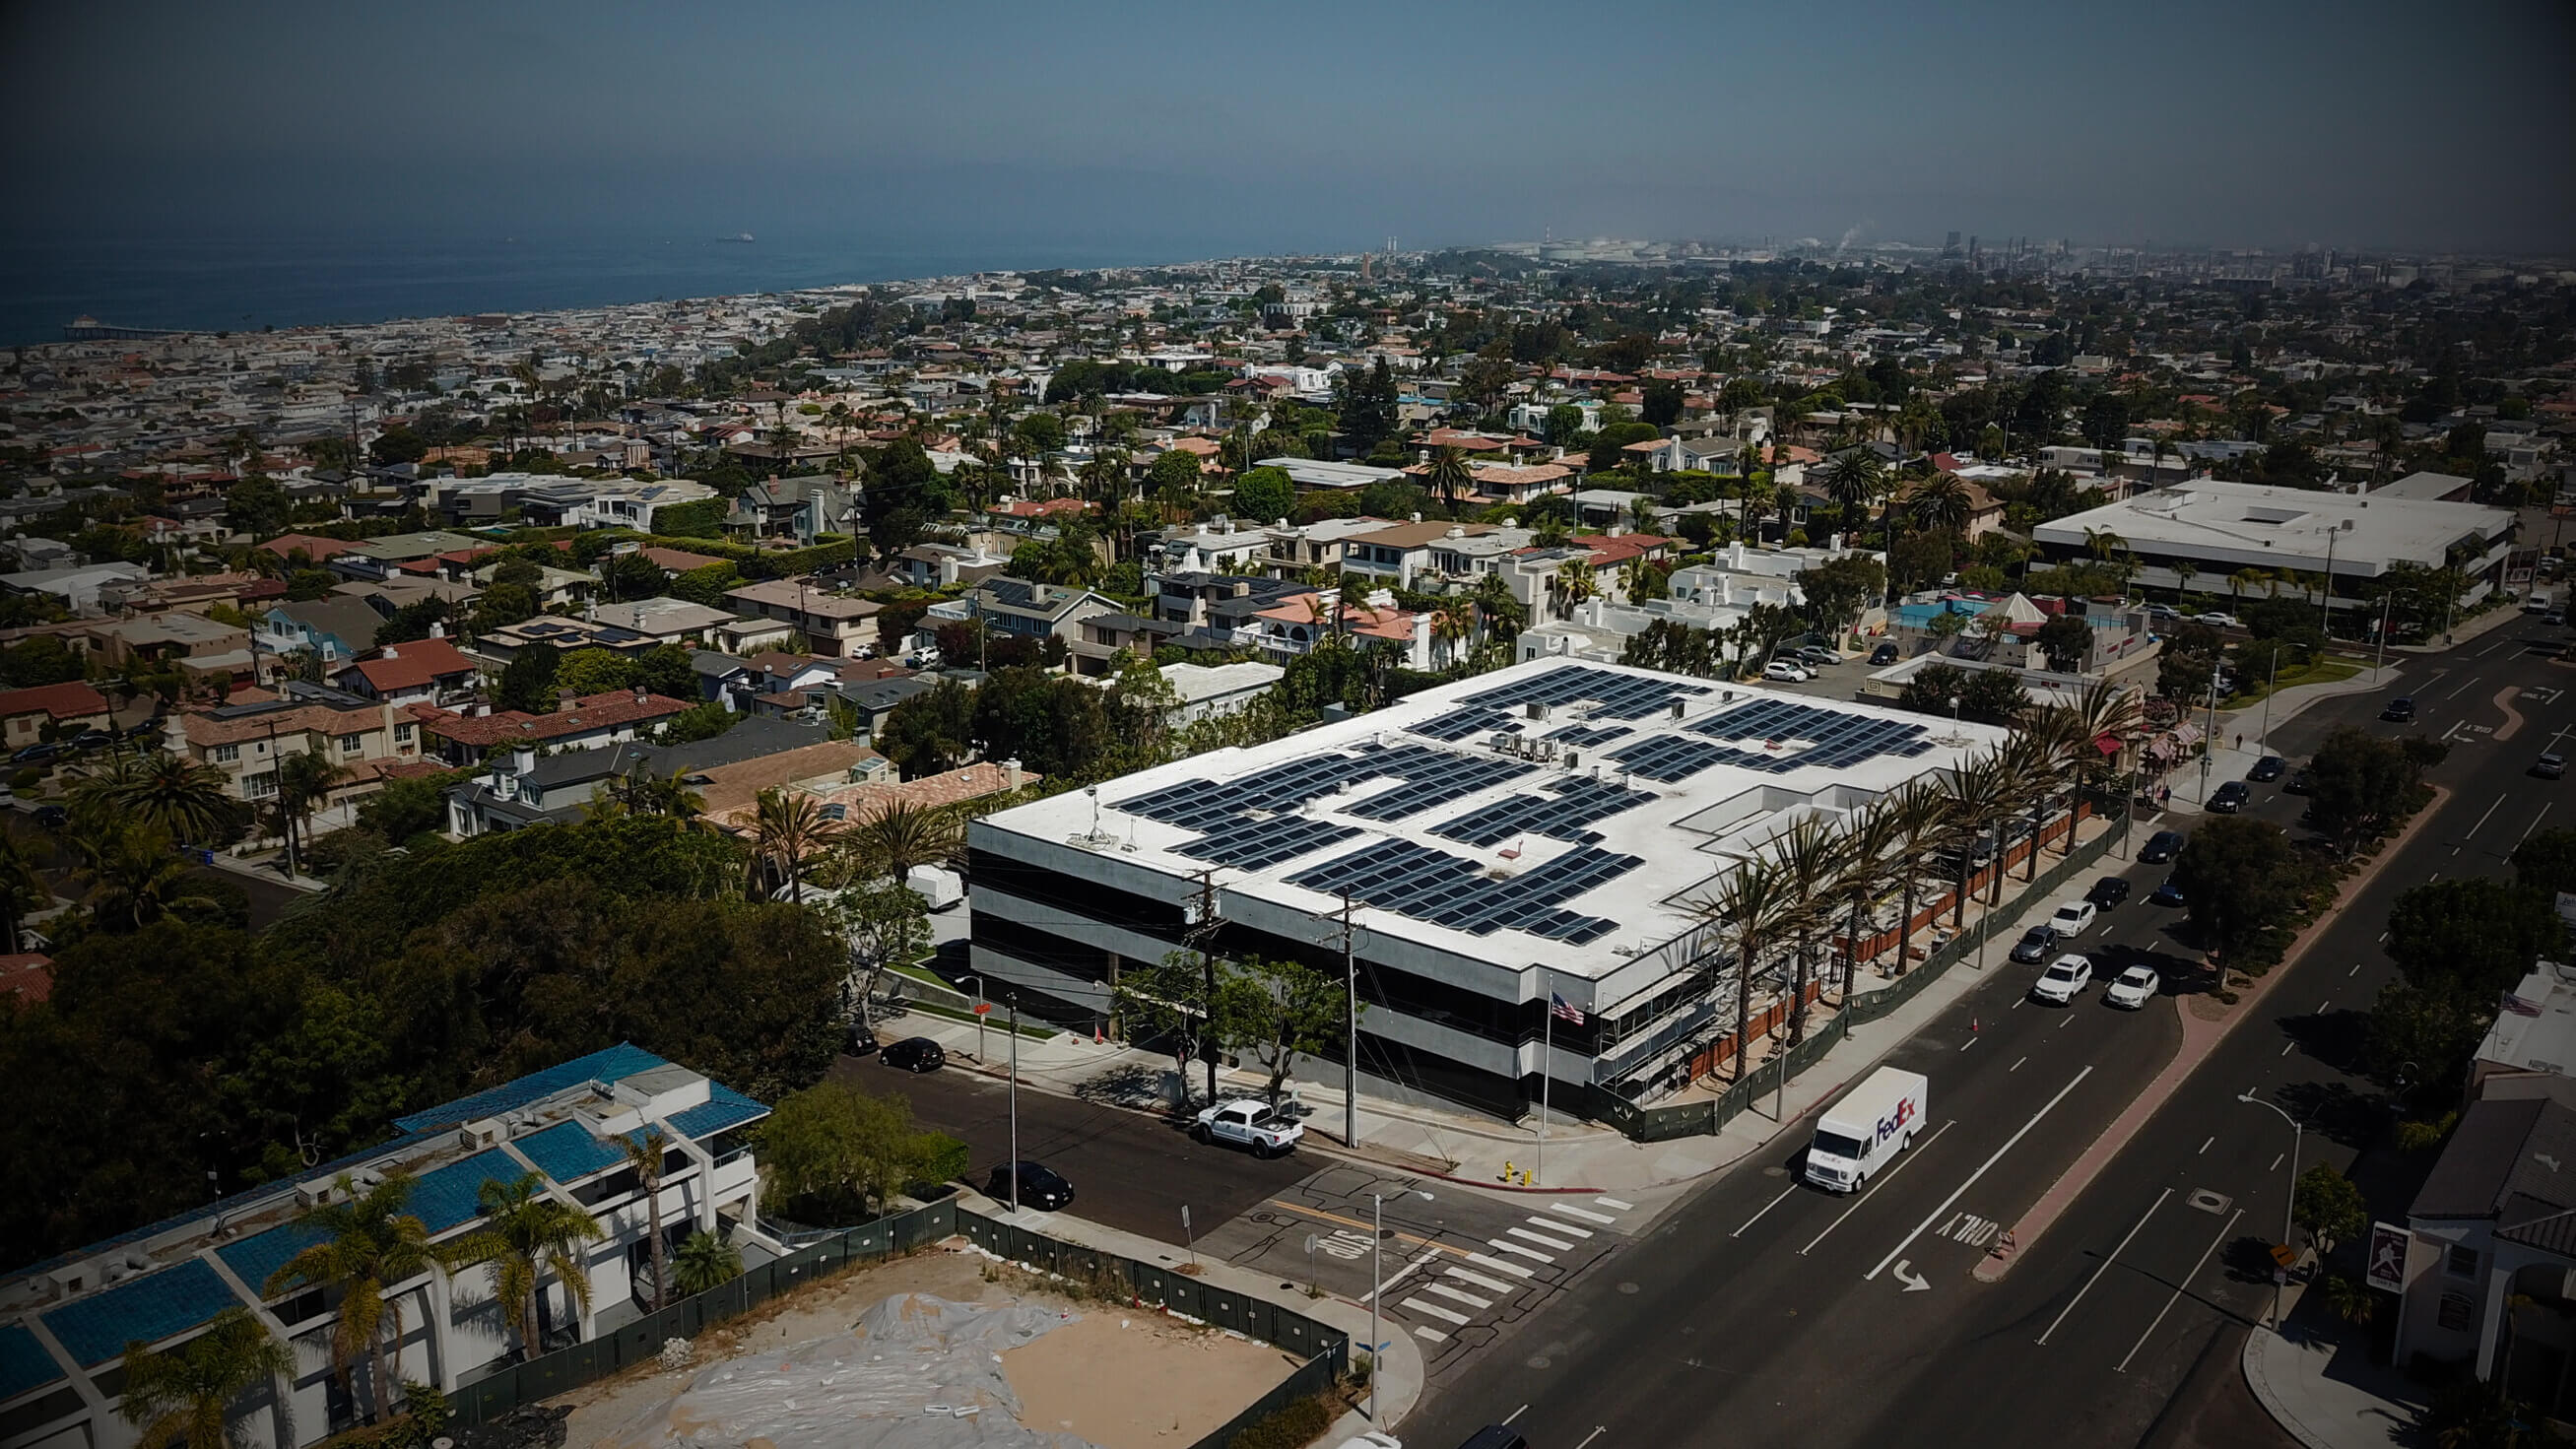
(90, 329)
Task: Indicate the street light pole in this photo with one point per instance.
(1015, 1101)
(2290, 1204)
(980, 1057)
(1377, 1285)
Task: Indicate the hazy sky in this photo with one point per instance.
(1264, 127)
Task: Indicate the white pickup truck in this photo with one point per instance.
(1250, 1123)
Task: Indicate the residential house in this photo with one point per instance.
(802, 508)
(76, 587)
(1214, 546)
(1292, 550)
(31, 716)
(944, 565)
(585, 723)
(520, 787)
(424, 671)
(1207, 691)
(333, 630)
(860, 802)
(243, 740)
(826, 622)
(1018, 609)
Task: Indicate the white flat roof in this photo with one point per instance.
(1577, 847)
(2259, 525)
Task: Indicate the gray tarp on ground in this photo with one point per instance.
(892, 1383)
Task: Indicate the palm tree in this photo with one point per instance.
(641, 792)
(1575, 586)
(645, 1152)
(706, 1263)
(304, 781)
(1811, 857)
(1751, 908)
(1870, 843)
(368, 1245)
(1940, 504)
(1978, 793)
(787, 831)
(2102, 543)
(2184, 573)
(2033, 765)
(1448, 627)
(183, 1398)
(1919, 812)
(22, 883)
(1854, 482)
(1449, 477)
(527, 1233)
(906, 834)
(130, 875)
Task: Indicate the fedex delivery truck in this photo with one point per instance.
(1861, 1134)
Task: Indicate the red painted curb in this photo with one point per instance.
(2196, 1049)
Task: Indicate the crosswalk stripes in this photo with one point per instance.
(1538, 1244)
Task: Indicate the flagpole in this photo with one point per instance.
(1547, 1050)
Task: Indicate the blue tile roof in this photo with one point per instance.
(567, 1152)
(622, 1060)
(148, 1310)
(24, 1364)
(452, 1194)
(254, 1258)
(724, 1108)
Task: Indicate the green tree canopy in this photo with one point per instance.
(1264, 495)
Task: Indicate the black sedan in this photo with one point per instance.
(2401, 710)
(2230, 797)
(1039, 1187)
(2107, 892)
(914, 1054)
(2167, 894)
(2298, 783)
(2034, 945)
(2162, 846)
(2268, 768)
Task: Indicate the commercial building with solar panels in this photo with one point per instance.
(65, 1324)
(1541, 829)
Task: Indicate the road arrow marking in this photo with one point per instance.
(1913, 1281)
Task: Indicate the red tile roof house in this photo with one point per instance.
(577, 724)
(27, 975)
(424, 671)
(69, 708)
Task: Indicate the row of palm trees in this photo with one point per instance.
(367, 1241)
(796, 838)
(1777, 913)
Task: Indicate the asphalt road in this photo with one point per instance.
(1131, 1171)
(1760, 1311)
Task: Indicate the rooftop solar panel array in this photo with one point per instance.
(1672, 757)
(1447, 890)
(1566, 815)
(1453, 777)
(1249, 844)
(1615, 695)
(1459, 724)
(1584, 737)
(1832, 739)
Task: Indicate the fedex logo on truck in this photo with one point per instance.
(1894, 1122)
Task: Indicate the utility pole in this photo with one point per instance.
(2209, 737)
(1202, 935)
(1350, 1033)
(1015, 1102)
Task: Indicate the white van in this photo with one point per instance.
(1861, 1134)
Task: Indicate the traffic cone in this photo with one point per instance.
(1095, 1034)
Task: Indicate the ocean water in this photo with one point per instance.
(301, 278)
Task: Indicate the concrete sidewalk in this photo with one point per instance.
(1401, 1368)
(1458, 1147)
(2318, 1383)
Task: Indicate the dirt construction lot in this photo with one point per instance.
(1095, 1373)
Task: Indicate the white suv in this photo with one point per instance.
(2065, 978)
(1785, 670)
(2073, 918)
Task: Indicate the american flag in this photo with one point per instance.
(2520, 1007)
(1559, 1006)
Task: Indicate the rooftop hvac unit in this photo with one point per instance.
(1536, 710)
(1574, 759)
(1677, 709)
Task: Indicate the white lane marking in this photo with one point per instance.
(2017, 1001)
(1560, 1244)
(2204, 1148)
(1499, 1266)
(1873, 1189)
(2016, 1066)
(2535, 822)
(1458, 1295)
(1516, 1413)
(1564, 1210)
(1948, 1202)
(1766, 1207)
(1432, 1335)
(2178, 1292)
(2321, 1006)
(2483, 818)
(1517, 1248)
(2285, 1047)
(1608, 1202)
(1435, 1310)
(2106, 1265)
(2276, 1162)
(1971, 1041)
(1399, 1275)
(2356, 966)
(1480, 1280)
(1553, 1226)
(1588, 1438)
(2465, 686)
